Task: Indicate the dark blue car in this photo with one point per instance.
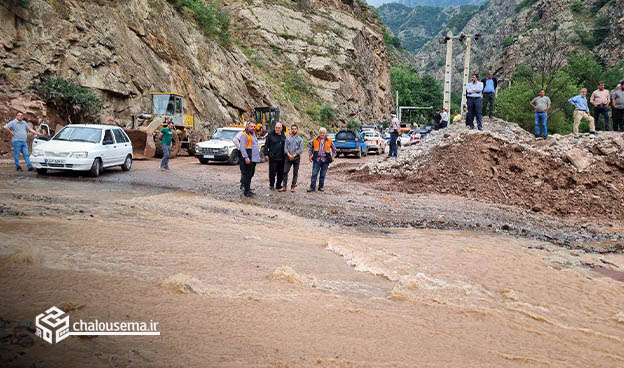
(349, 142)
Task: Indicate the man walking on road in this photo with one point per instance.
(294, 149)
(18, 128)
(541, 104)
(474, 94)
(274, 153)
(322, 153)
(489, 93)
(617, 103)
(395, 130)
(581, 111)
(166, 136)
(251, 155)
(601, 100)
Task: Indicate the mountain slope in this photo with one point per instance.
(300, 58)
(511, 31)
(418, 25)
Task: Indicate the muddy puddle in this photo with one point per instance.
(263, 287)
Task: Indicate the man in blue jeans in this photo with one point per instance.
(395, 130)
(322, 153)
(541, 104)
(18, 128)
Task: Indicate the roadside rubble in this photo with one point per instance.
(565, 176)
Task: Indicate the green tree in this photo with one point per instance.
(513, 103)
(415, 90)
(75, 103)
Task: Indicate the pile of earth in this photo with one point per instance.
(565, 176)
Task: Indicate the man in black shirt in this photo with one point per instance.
(274, 152)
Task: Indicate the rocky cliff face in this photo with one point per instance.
(283, 54)
(509, 33)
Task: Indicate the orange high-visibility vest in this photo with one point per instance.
(248, 140)
(317, 144)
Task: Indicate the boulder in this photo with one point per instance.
(579, 158)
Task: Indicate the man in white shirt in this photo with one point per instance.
(474, 94)
(445, 119)
(395, 131)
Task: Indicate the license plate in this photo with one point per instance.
(47, 161)
(208, 156)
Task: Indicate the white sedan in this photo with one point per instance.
(374, 141)
(87, 147)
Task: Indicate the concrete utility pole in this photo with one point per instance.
(449, 67)
(466, 74)
(447, 71)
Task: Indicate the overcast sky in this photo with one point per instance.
(377, 3)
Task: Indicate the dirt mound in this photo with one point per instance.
(565, 176)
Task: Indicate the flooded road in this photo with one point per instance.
(236, 284)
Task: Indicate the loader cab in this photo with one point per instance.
(170, 105)
(267, 116)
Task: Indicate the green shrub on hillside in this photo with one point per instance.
(523, 4)
(577, 7)
(327, 114)
(75, 103)
(415, 90)
(213, 21)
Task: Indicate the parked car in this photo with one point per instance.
(349, 142)
(368, 127)
(221, 147)
(404, 140)
(83, 147)
(374, 141)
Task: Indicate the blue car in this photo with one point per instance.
(349, 142)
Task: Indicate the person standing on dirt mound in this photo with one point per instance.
(489, 93)
(581, 111)
(166, 136)
(18, 128)
(251, 155)
(444, 118)
(395, 130)
(474, 94)
(617, 102)
(601, 99)
(322, 153)
(274, 153)
(541, 104)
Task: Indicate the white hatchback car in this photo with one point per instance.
(84, 147)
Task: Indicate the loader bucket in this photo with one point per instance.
(143, 145)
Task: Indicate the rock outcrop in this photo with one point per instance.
(127, 49)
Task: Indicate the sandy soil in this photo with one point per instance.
(334, 279)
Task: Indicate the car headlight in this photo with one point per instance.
(79, 154)
(37, 153)
(224, 150)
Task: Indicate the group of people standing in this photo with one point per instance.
(601, 99)
(283, 153)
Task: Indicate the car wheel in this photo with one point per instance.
(234, 158)
(42, 171)
(127, 164)
(96, 168)
(203, 161)
(359, 154)
(365, 153)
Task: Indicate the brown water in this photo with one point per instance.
(265, 288)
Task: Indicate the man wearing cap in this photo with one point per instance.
(395, 130)
(617, 104)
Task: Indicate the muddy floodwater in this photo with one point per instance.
(235, 283)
